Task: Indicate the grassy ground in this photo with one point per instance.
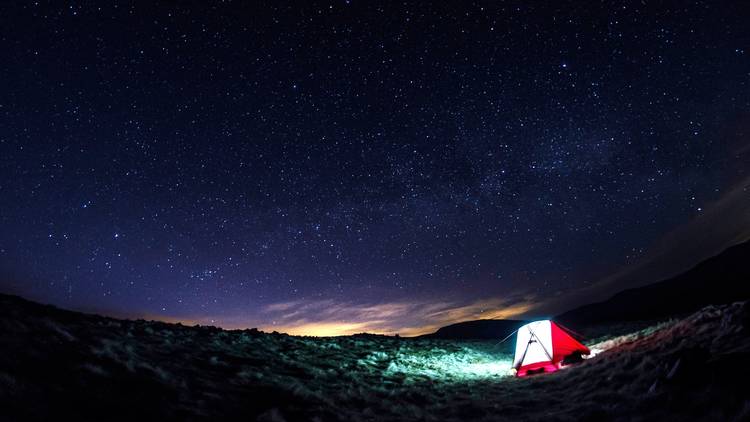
(63, 364)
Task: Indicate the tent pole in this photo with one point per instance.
(506, 338)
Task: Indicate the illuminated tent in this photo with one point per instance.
(543, 346)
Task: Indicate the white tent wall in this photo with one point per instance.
(540, 347)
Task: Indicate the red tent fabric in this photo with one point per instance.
(564, 345)
(542, 346)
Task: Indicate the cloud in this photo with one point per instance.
(720, 225)
(408, 318)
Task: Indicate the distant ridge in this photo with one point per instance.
(481, 329)
(720, 279)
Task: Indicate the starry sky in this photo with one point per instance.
(347, 166)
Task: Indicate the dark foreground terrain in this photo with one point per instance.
(59, 365)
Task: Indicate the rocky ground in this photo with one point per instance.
(56, 364)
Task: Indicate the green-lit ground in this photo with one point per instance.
(62, 365)
(447, 361)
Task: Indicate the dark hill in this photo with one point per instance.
(720, 279)
(723, 278)
(482, 329)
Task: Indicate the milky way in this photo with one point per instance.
(349, 166)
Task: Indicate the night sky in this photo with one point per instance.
(346, 166)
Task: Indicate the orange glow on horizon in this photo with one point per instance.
(330, 319)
